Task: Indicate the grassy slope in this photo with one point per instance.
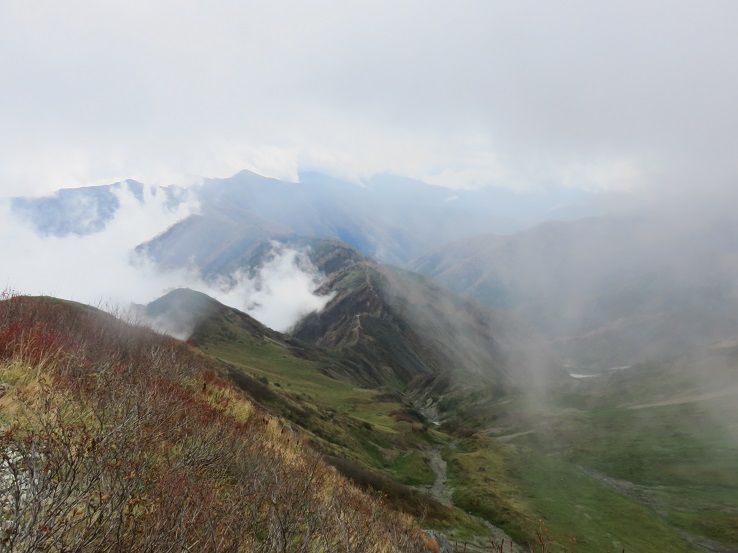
(373, 429)
(137, 445)
(662, 438)
(520, 490)
(675, 459)
(676, 454)
(514, 485)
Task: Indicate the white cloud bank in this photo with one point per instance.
(100, 269)
(280, 293)
(95, 268)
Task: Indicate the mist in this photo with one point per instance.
(279, 293)
(101, 269)
(93, 268)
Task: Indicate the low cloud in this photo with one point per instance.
(100, 269)
(94, 268)
(601, 96)
(281, 291)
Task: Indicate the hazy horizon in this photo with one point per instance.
(634, 96)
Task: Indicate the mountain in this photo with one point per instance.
(404, 329)
(607, 291)
(206, 322)
(389, 218)
(644, 458)
(119, 439)
(456, 412)
(622, 447)
(383, 327)
(389, 344)
(356, 428)
(190, 314)
(389, 327)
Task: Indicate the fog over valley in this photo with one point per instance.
(369, 277)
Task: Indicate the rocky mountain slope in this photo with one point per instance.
(405, 329)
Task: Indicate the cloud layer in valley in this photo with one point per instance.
(101, 269)
(279, 293)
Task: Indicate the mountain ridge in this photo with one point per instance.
(388, 217)
(414, 329)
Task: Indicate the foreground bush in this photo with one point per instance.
(117, 439)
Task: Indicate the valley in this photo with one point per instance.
(588, 458)
(473, 393)
(368, 277)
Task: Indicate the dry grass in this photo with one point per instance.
(118, 439)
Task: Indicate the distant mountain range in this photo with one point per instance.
(392, 219)
(443, 383)
(605, 290)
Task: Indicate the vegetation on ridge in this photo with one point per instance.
(117, 439)
(497, 461)
(73, 373)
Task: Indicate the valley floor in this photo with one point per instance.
(443, 491)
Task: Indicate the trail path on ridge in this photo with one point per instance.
(440, 489)
(443, 491)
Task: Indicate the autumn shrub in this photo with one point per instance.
(124, 440)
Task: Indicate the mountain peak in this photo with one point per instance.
(186, 313)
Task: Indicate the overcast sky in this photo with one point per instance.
(600, 95)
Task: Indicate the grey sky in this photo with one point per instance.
(601, 95)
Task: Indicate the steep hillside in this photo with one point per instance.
(206, 322)
(609, 291)
(517, 457)
(383, 327)
(406, 330)
(192, 314)
(146, 415)
(117, 439)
